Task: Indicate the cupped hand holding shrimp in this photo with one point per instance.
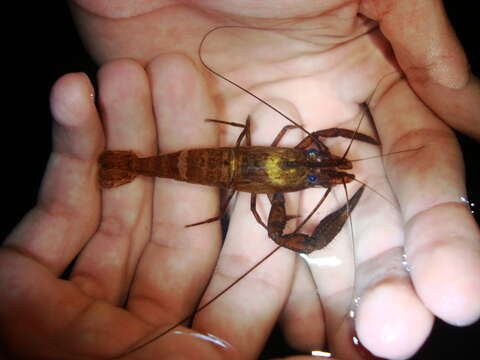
(327, 63)
(129, 243)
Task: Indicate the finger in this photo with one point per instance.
(177, 262)
(390, 320)
(375, 239)
(428, 184)
(436, 173)
(302, 318)
(106, 265)
(431, 56)
(334, 274)
(68, 207)
(245, 315)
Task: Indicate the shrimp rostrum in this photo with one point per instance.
(267, 170)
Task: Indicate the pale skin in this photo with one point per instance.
(130, 241)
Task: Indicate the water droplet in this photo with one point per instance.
(470, 205)
(207, 337)
(330, 261)
(352, 314)
(355, 340)
(405, 264)
(321, 353)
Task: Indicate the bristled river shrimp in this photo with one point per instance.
(268, 170)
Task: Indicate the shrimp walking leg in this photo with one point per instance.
(245, 133)
(223, 209)
(332, 132)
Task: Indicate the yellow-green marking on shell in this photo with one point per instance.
(274, 170)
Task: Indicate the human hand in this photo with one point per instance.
(342, 77)
(313, 126)
(112, 237)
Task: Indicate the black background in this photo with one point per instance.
(40, 44)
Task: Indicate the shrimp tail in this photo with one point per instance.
(116, 168)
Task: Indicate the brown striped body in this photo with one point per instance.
(255, 169)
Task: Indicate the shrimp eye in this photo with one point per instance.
(312, 178)
(312, 154)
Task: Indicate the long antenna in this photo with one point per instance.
(315, 140)
(387, 154)
(192, 314)
(366, 105)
